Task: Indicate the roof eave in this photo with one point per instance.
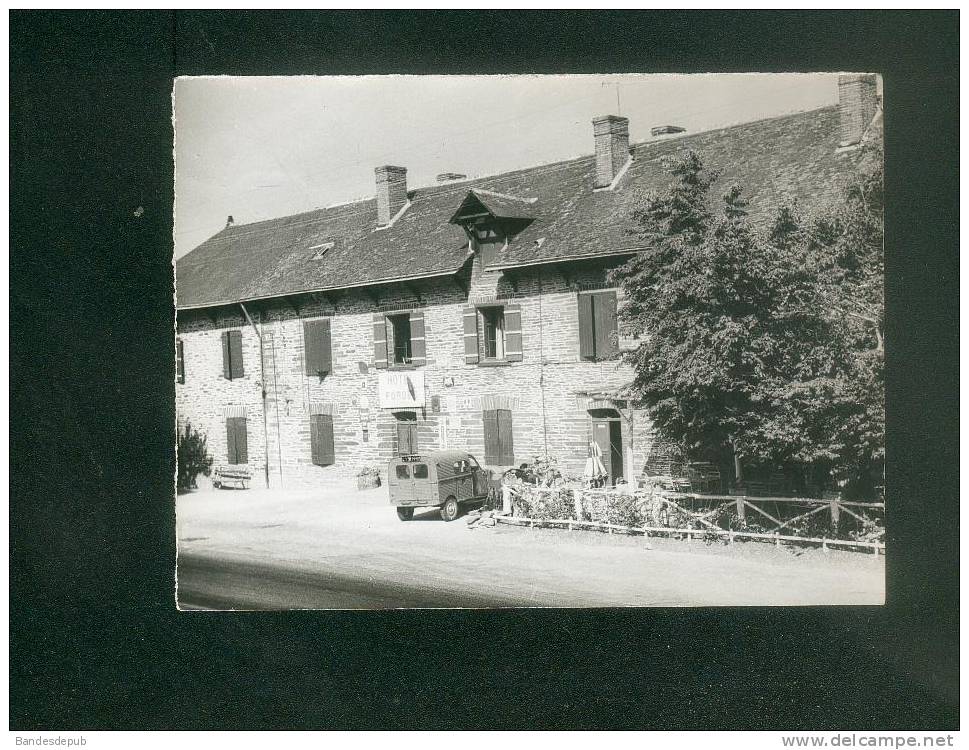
(281, 295)
(566, 259)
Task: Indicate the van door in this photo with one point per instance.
(424, 490)
(401, 485)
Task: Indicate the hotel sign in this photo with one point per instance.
(400, 390)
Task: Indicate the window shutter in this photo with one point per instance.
(315, 439)
(237, 440)
(311, 346)
(506, 445)
(179, 361)
(230, 440)
(327, 452)
(587, 334)
(226, 358)
(606, 325)
(326, 346)
(491, 443)
(235, 353)
(379, 340)
(242, 441)
(321, 439)
(316, 338)
(418, 340)
(470, 335)
(513, 333)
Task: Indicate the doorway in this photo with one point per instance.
(607, 434)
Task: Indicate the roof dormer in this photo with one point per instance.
(490, 219)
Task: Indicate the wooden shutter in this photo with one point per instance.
(317, 344)
(242, 441)
(587, 333)
(492, 444)
(506, 445)
(513, 333)
(179, 361)
(226, 357)
(418, 339)
(380, 344)
(327, 450)
(237, 440)
(235, 354)
(321, 440)
(315, 439)
(230, 440)
(606, 325)
(470, 335)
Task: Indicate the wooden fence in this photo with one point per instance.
(675, 501)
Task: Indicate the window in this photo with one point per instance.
(491, 323)
(598, 326)
(237, 440)
(398, 339)
(492, 334)
(420, 471)
(232, 355)
(179, 361)
(499, 446)
(317, 347)
(406, 433)
(403, 471)
(489, 239)
(321, 439)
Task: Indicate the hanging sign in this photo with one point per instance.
(400, 390)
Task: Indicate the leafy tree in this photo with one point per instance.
(193, 458)
(753, 341)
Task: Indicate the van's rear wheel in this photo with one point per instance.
(405, 514)
(450, 510)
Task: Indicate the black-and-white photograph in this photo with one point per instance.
(529, 341)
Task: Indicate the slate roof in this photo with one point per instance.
(789, 157)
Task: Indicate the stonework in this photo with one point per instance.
(547, 391)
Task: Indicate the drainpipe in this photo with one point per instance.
(262, 386)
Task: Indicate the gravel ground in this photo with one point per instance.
(353, 541)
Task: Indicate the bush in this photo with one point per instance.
(193, 458)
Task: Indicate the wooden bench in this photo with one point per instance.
(238, 475)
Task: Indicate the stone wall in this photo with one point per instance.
(544, 391)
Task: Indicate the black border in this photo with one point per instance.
(95, 642)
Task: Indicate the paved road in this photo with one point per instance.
(261, 549)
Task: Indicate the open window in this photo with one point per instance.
(491, 323)
(399, 340)
(492, 334)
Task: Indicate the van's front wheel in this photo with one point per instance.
(405, 514)
(450, 509)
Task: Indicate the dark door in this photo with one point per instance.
(406, 434)
(607, 434)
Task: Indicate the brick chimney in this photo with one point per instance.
(857, 102)
(391, 192)
(612, 147)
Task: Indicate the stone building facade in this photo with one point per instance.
(492, 293)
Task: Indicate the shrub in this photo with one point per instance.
(193, 458)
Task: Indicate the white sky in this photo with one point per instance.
(257, 148)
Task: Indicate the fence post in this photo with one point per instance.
(835, 516)
(777, 539)
(741, 510)
(730, 535)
